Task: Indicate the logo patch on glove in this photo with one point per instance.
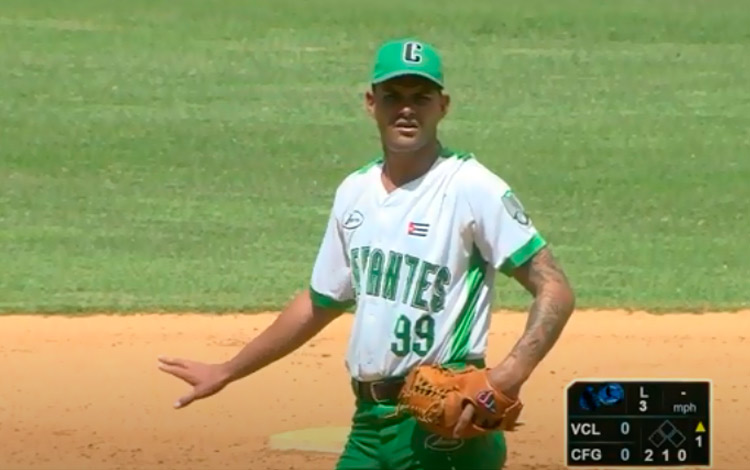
(441, 444)
(487, 399)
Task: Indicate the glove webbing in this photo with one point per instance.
(434, 395)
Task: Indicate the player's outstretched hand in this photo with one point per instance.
(206, 379)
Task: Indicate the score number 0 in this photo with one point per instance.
(625, 430)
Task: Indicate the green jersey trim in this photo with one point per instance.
(475, 278)
(445, 152)
(323, 301)
(523, 254)
(372, 163)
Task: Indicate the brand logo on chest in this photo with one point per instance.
(353, 220)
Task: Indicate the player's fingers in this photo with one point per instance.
(463, 421)
(178, 372)
(185, 400)
(172, 361)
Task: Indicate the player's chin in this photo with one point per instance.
(405, 143)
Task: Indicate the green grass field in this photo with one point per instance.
(183, 155)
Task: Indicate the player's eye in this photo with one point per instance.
(422, 99)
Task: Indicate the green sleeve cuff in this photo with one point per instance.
(523, 254)
(323, 301)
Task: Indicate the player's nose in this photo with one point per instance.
(406, 111)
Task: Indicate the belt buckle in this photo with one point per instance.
(372, 386)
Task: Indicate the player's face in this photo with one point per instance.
(407, 111)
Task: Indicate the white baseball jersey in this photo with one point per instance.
(418, 264)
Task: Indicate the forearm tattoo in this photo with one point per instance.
(552, 306)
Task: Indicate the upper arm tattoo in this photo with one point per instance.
(544, 270)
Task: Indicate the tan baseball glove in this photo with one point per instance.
(436, 396)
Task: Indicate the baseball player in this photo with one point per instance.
(412, 246)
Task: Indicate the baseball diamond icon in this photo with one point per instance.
(666, 432)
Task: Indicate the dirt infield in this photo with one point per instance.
(85, 393)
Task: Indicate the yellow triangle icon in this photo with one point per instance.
(700, 427)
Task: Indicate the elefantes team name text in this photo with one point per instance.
(379, 274)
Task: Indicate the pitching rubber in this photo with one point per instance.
(325, 439)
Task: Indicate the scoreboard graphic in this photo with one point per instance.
(620, 423)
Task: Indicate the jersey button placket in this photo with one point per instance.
(367, 348)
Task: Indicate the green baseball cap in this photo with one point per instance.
(407, 56)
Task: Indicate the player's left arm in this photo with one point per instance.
(553, 303)
(511, 243)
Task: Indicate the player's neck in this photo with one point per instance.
(401, 168)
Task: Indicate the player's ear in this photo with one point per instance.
(370, 101)
(445, 103)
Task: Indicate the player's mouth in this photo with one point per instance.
(406, 128)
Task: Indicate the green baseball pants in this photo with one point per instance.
(378, 440)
